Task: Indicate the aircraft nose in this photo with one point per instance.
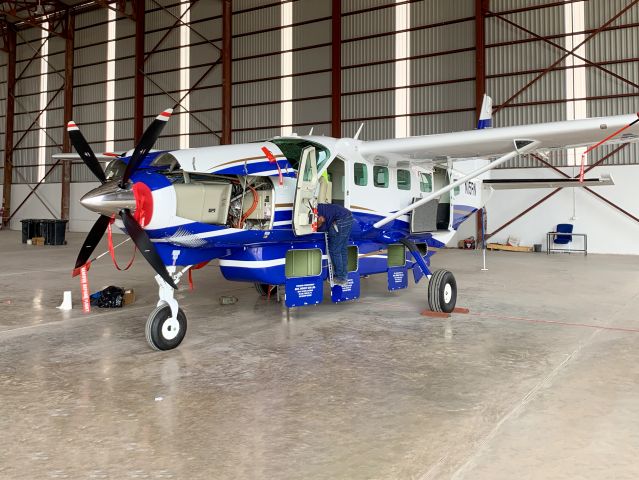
(109, 199)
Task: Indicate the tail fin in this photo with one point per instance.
(486, 115)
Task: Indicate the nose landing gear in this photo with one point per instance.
(166, 326)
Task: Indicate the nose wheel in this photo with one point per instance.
(164, 332)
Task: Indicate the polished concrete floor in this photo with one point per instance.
(539, 381)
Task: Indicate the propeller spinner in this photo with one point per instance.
(117, 197)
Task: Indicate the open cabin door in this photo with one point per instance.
(424, 218)
(304, 209)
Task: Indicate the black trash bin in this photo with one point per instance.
(53, 231)
(30, 229)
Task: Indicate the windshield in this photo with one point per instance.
(292, 150)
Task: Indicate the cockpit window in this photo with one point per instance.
(292, 150)
(166, 160)
(115, 169)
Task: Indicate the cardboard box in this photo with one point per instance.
(37, 241)
(129, 297)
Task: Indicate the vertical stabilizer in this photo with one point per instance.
(486, 115)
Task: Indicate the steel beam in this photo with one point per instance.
(565, 55)
(227, 72)
(9, 118)
(336, 69)
(138, 116)
(481, 7)
(68, 115)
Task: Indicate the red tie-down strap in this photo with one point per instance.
(314, 223)
(112, 250)
(195, 267)
(583, 157)
(271, 158)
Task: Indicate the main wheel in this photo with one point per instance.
(163, 333)
(442, 291)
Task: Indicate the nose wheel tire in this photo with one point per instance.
(163, 332)
(442, 291)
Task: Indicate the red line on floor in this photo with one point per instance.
(555, 322)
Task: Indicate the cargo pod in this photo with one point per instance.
(397, 270)
(304, 283)
(351, 290)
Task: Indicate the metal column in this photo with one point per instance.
(8, 132)
(68, 114)
(138, 115)
(336, 70)
(227, 71)
(481, 7)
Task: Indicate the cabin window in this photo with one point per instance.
(456, 190)
(425, 183)
(360, 174)
(403, 179)
(380, 176)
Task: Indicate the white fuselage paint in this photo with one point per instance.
(368, 199)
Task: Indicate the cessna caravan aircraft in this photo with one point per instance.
(252, 206)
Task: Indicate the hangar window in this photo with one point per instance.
(292, 149)
(380, 176)
(425, 182)
(360, 174)
(403, 179)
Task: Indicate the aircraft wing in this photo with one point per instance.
(494, 142)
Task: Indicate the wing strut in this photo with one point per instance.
(520, 147)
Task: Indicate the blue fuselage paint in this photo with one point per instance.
(259, 255)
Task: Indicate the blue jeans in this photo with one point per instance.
(338, 246)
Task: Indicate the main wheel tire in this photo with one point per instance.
(262, 288)
(442, 291)
(161, 333)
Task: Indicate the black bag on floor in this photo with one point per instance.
(110, 297)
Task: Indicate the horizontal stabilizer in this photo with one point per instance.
(518, 183)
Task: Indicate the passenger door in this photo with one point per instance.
(305, 206)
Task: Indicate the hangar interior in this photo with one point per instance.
(538, 381)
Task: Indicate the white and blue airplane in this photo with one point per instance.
(252, 206)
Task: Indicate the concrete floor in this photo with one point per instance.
(540, 381)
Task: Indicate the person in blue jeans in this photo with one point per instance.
(338, 222)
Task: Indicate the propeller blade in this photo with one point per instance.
(149, 137)
(146, 247)
(92, 240)
(86, 154)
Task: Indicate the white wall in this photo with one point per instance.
(608, 230)
(80, 219)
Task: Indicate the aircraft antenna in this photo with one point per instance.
(359, 130)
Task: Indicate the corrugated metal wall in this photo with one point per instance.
(514, 58)
(441, 57)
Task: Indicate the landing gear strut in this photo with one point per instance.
(442, 291)
(166, 326)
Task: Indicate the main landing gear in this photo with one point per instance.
(442, 291)
(166, 325)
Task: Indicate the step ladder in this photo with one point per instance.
(329, 264)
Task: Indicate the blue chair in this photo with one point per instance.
(563, 239)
